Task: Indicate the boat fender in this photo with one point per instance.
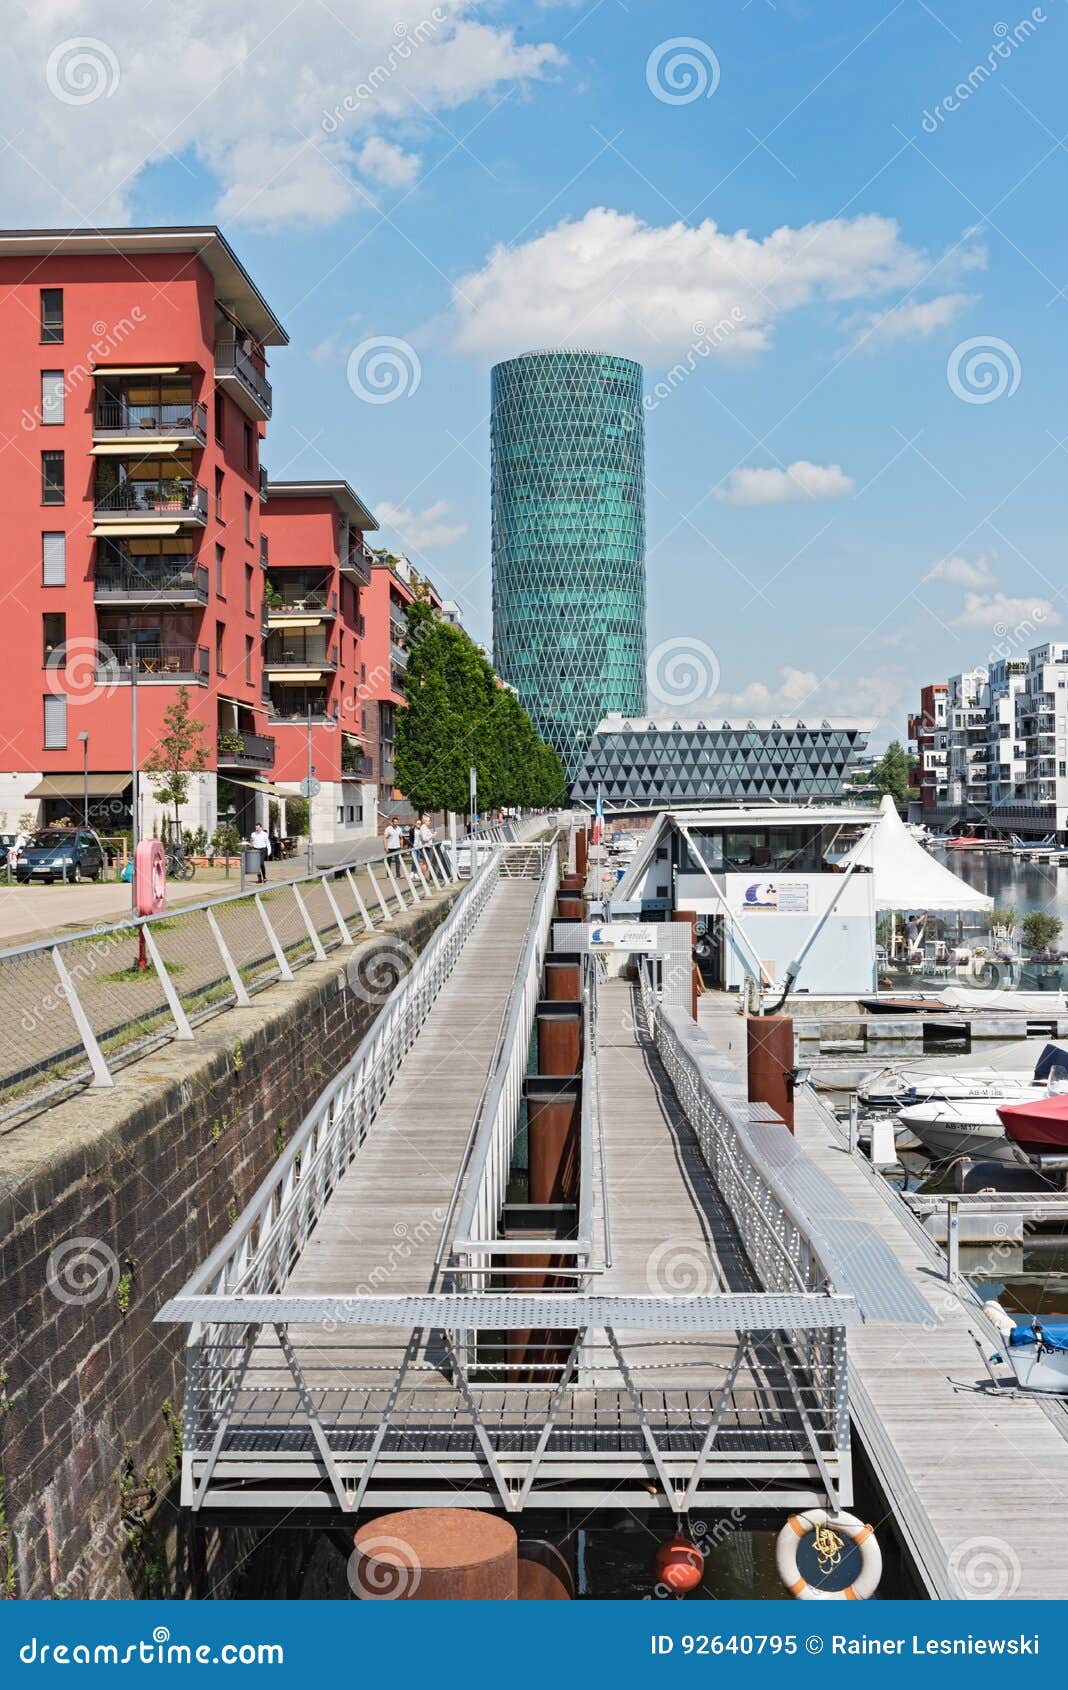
(1000, 1320)
(830, 1529)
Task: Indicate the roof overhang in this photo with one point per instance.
(74, 785)
(347, 501)
(234, 286)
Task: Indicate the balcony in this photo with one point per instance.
(265, 552)
(173, 665)
(166, 580)
(263, 485)
(296, 712)
(118, 420)
(292, 602)
(355, 562)
(299, 660)
(241, 379)
(154, 502)
(358, 767)
(241, 750)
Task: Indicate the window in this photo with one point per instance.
(54, 630)
(52, 321)
(219, 413)
(218, 495)
(341, 812)
(248, 516)
(249, 642)
(220, 554)
(52, 396)
(247, 448)
(220, 635)
(52, 478)
(55, 723)
(53, 560)
(248, 589)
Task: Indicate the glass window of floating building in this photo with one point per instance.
(569, 540)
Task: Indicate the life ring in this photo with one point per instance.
(150, 877)
(798, 1527)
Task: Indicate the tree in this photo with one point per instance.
(457, 715)
(178, 753)
(1040, 930)
(891, 773)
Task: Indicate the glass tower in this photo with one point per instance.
(569, 541)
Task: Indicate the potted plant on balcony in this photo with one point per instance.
(271, 596)
(171, 495)
(231, 742)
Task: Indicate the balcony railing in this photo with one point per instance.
(161, 498)
(311, 655)
(285, 714)
(356, 563)
(241, 750)
(292, 600)
(233, 366)
(359, 768)
(171, 663)
(173, 579)
(152, 422)
(263, 484)
(265, 551)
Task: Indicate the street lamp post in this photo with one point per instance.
(84, 737)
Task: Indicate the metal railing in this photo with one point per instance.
(154, 662)
(477, 1240)
(160, 497)
(232, 360)
(251, 751)
(75, 1007)
(299, 654)
(117, 416)
(163, 575)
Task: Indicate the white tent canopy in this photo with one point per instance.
(906, 878)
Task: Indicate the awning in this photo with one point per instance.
(115, 530)
(277, 621)
(257, 786)
(73, 786)
(137, 370)
(298, 676)
(123, 448)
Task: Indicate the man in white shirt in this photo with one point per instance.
(260, 840)
(423, 836)
(392, 838)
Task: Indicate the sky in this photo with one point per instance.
(832, 232)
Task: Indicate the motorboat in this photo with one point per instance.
(1039, 1127)
(905, 1086)
(1036, 1350)
(967, 1126)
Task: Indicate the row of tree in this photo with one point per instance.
(458, 717)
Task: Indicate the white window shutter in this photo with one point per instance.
(52, 396)
(54, 560)
(55, 722)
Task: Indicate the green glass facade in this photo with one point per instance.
(569, 540)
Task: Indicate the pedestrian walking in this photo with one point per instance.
(260, 840)
(392, 838)
(424, 838)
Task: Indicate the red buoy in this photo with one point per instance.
(679, 1564)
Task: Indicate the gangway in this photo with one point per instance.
(361, 1336)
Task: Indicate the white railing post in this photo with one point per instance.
(240, 989)
(378, 893)
(279, 954)
(316, 942)
(401, 905)
(346, 936)
(101, 1072)
(360, 905)
(182, 1029)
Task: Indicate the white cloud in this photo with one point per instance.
(387, 163)
(279, 101)
(961, 571)
(914, 319)
(653, 291)
(421, 530)
(788, 692)
(800, 480)
(999, 611)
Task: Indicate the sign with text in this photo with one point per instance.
(623, 937)
(787, 897)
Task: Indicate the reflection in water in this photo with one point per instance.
(1023, 886)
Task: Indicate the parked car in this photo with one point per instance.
(61, 853)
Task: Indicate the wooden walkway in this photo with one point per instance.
(977, 1479)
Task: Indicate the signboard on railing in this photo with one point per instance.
(623, 936)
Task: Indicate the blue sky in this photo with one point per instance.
(517, 177)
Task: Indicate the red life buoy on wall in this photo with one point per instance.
(150, 877)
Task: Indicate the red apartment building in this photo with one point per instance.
(322, 709)
(927, 731)
(145, 542)
(135, 401)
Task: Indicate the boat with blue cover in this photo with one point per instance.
(1036, 1350)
